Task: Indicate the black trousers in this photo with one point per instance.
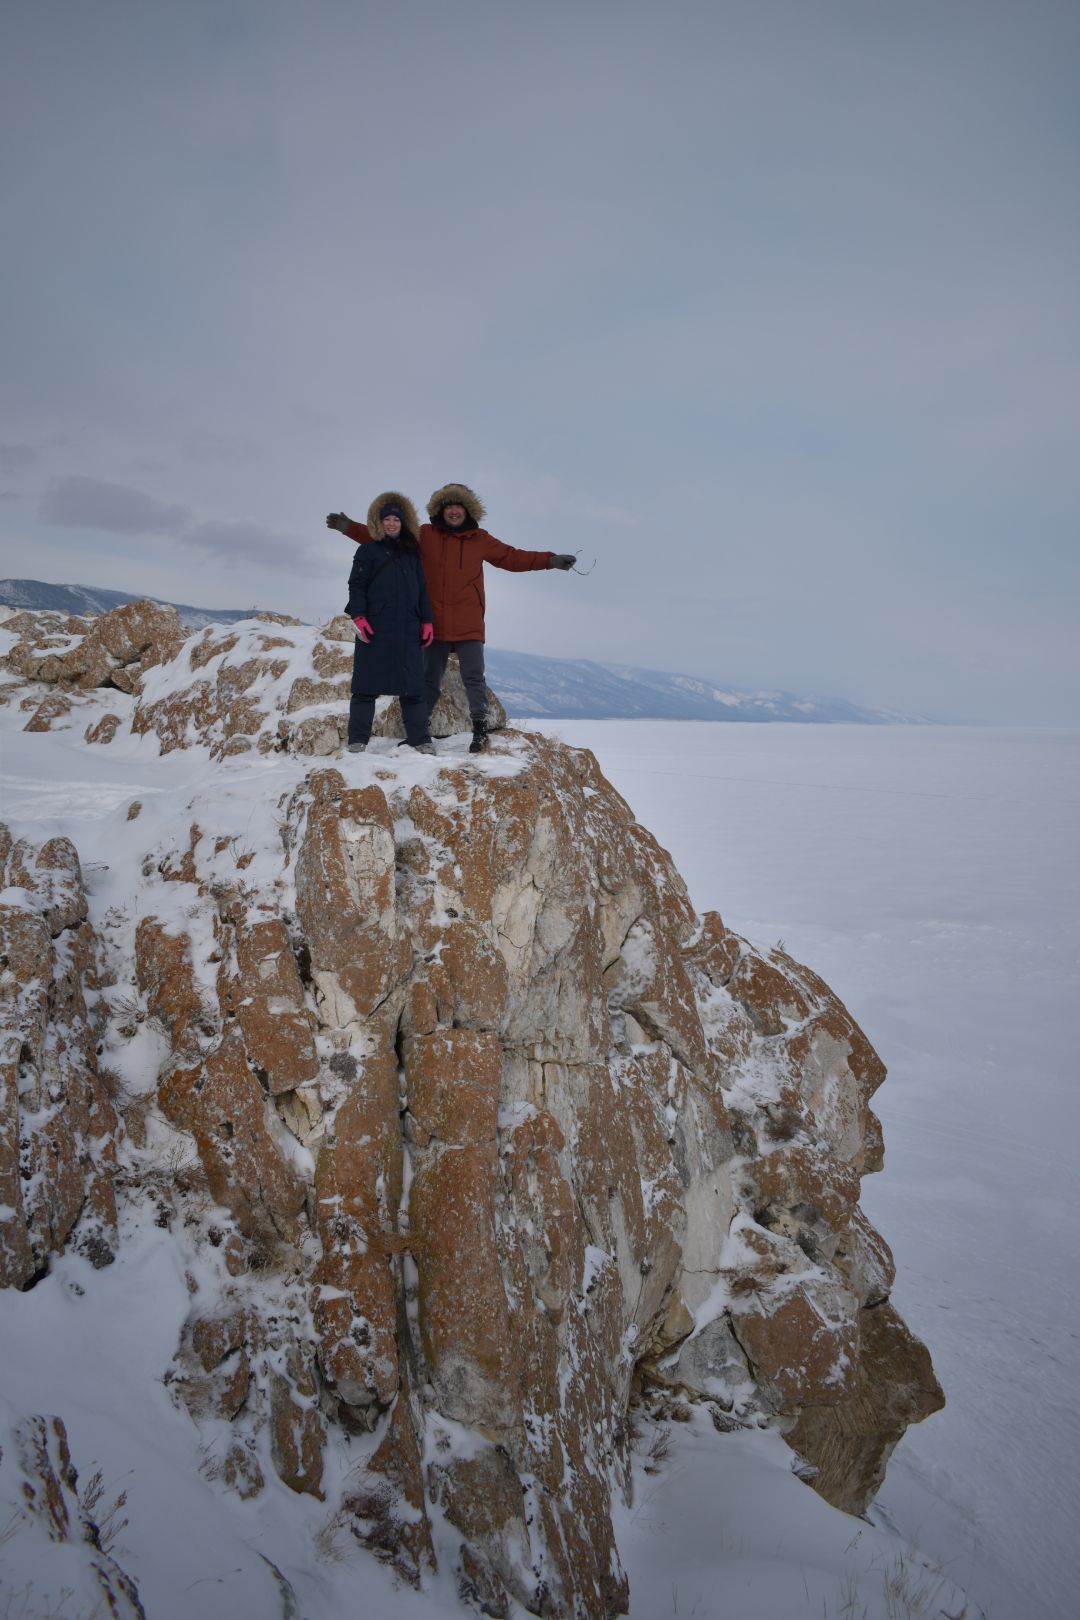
(362, 713)
(470, 662)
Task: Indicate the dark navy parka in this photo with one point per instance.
(386, 587)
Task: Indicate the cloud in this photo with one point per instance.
(220, 449)
(78, 502)
(771, 313)
(89, 503)
(239, 545)
(16, 458)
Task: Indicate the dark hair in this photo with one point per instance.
(405, 541)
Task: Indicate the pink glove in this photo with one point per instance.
(363, 629)
(427, 634)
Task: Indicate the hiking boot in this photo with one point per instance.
(357, 748)
(479, 737)
(423, 747)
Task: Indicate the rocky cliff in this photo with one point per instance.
(475, 1137)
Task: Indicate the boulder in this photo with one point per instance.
(450, 714)
(115, 649)
(103, 730)
(50, 709)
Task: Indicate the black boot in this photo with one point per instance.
(479, 737)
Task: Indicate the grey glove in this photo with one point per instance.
(563, 560)
(337, 520)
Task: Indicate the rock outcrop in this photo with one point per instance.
(267, 685)
(488, 1138)
(114, 650)
(58, 1126)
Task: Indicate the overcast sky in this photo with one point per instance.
(769, 308)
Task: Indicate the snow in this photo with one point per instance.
(930, 876)
(747, 1542)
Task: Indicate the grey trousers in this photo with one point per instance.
(470, 662)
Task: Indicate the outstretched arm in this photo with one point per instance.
(512, 558)
(345, 525)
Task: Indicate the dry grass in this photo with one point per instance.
(659, 1446)
(912, 1589)
(30, 1605)
(109, 1525)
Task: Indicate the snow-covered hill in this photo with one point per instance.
(532, 686)
(92, 599)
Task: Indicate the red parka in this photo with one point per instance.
(454, 572)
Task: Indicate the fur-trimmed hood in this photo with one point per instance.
(374, 522)
(464, 496)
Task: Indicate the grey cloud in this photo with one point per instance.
(774, 303)
(241, 545)
(220, 449)
(16, 458)
(77, 502)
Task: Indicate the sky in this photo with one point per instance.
(766, 309)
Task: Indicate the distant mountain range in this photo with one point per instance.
(565, 688)
(535, 687)
(83, 599)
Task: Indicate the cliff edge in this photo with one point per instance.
(472, 1134)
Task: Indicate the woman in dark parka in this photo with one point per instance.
(388, 603)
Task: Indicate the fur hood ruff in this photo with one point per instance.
(466, 497)
(374, 522)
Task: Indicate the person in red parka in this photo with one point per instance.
(454, 549)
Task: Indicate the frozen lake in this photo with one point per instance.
(931, 876)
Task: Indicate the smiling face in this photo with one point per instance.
(453, 514)
(391, 526)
